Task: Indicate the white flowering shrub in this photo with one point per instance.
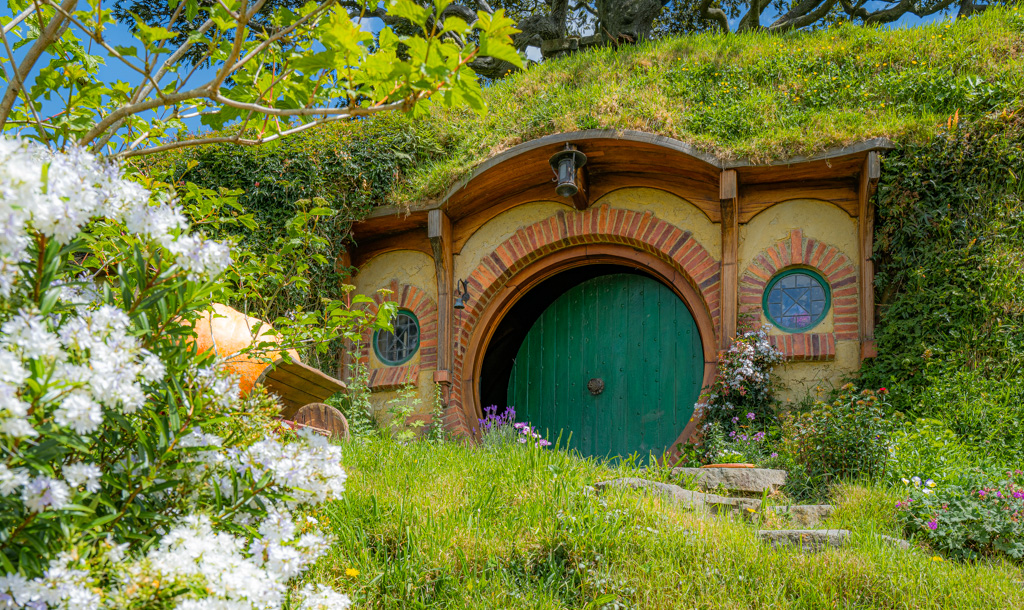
(741, 400)
(115, 490)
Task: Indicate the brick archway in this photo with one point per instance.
(565, 240)
(837, 268)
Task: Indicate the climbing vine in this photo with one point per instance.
(950, 280)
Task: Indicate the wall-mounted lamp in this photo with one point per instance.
(462, 290)
(565, 163)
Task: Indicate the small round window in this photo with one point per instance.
(796, 300)
(397, 346)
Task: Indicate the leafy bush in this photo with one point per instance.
(982, 516)
(846, 438)
(926, 447)
(116, 490)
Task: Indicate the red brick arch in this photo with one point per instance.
(636, 236)
(839, 269)
(421, 304)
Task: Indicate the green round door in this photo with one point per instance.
(616, 361)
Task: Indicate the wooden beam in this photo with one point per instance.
(869, 176)
(728, 194)
(439, 231)
(581, 200)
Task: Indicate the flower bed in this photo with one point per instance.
(981, 516)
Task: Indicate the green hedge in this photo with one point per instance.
(949, 252)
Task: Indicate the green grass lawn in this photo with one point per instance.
(450, 526)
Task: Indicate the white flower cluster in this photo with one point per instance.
(62, 586)
(310, 468)
(70, 373)
(57, 194)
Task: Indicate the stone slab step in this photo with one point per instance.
(736, 479)
(683, 497)
(808, 540)
(805, 514)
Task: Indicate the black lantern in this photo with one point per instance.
(565, 163)
(460, 300)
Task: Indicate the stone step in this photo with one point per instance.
(808, 540)
(750, 480)
(805, 514)
(683, 497)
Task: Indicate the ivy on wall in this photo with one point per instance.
(949, 252)
(303, 193)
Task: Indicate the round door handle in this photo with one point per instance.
(596, 386)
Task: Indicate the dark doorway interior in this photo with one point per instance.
(512, 329)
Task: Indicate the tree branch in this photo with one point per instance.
(46, 37)
(714, 14)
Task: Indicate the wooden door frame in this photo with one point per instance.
(577, 256)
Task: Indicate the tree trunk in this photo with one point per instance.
(627, 20)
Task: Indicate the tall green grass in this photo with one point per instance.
(752, 95)
(452, 526)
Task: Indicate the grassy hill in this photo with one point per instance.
(426, 525)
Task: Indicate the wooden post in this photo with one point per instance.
(729, 196)
(581, 200)
(869, 176)
(439, 230)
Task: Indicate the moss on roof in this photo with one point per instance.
(757, 96)
(760, 96)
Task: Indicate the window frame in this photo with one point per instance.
(412, 353)
(793, 271)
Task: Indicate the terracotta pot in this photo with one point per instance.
(729, 466)
(229, 331)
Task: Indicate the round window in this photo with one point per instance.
(397, 346)
(796, 300)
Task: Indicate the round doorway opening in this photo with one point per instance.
(605, 358)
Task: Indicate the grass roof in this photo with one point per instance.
(760, 96)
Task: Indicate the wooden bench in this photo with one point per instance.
(302, 391)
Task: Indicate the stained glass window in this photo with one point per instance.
(395, 347)
(796, 300)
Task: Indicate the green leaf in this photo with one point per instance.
(406, 9)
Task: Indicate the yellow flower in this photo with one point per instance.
(936, 558)
(351, 572)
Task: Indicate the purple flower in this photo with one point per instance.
(774, 455)
(1019, 495)
(732, 434)
(759, 436)
(735, 419)
(544, 443)
(750, 416)
(933, 525)
(743, 437)
(981, 493)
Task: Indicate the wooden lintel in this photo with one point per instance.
(439, 231)
(581, 200)
(869, 176)
(729, 196)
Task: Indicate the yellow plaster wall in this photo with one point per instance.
(408, 267)
(800, 378)
(671, 209)
(498, 229)
(826, 223)
(422, 401)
